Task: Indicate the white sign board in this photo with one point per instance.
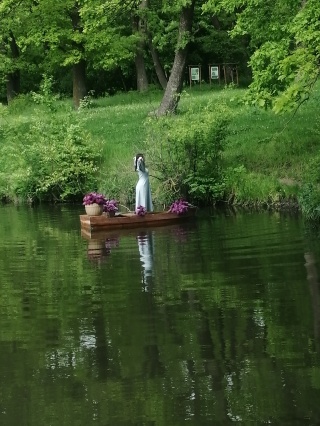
(214, 72)
(195, 74)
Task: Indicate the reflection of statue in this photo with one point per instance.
(146, 249)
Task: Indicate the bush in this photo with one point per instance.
(55, 161)
(185, 151)
(20, 104)
(45, 95)
(309, 200)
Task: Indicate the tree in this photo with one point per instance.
(139, 29)
(58, 25)
(13, 21)
(157, 63)
(79, 64)
(285, 46)
(119, 35)
(110, 42)
(54, 29)
(172, 93)
(152, 18)
(13, 76)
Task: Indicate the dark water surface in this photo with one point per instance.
(212, 323)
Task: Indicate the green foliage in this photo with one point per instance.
(87, 101)
(265, 158)
(46, 96)
(309, 200)
(285, 59)
(252, 189)
(205, 189)
(185, 151)
(309, 196)
(20, 104)
(56, 160)
(119, 185)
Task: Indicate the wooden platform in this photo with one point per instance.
(131, 220)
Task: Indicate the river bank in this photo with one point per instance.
(267, 159)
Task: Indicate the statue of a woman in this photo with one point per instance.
(143, 192)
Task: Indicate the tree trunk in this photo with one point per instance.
(157, 65)
(142, 79)
(78, 69)
(79, 82)
(139, 27)
(172, 93)
(13, 85)
(13, 78)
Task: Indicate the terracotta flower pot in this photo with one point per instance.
(93, 209)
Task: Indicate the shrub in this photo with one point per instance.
(309, 200)
(45, 95)
(185, 151)
(55, 161)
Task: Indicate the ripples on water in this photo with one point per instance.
(212, 322)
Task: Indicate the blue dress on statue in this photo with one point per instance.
(143, 192)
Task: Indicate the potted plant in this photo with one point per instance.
(93, 203)
(110, 207)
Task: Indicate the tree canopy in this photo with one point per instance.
(107, 46)
(284, 46)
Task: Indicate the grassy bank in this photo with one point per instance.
(266, 158)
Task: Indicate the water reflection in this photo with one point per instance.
(146, 249)
(99, 249)
(313, 279)
(223, 332)
(96, 250)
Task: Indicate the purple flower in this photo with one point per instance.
(179, 207)
(141, 211)
(110, 206)
(94, 198)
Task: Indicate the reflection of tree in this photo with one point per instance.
(313, 278)
(215, 340)
(101, 345)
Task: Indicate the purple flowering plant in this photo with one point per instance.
(94, 198)
(141, 211)
(111, 206)
(179, 207)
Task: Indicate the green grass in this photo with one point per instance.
(280, 146)
(274, 150)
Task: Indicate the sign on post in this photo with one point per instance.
(214, 73)
(194, 74)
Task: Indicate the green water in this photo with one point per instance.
(212, 323)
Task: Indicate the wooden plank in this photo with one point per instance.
(131, 220)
